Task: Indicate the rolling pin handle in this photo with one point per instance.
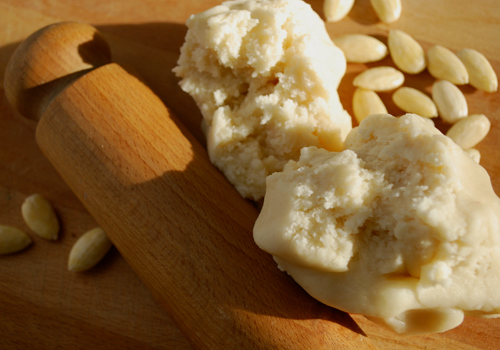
(50, 59)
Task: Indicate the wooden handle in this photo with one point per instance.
(48, 60)
(181, 226)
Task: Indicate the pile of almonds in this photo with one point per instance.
(450, 69)
(41, 218)
(388, 11)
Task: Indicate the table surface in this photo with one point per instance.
(42, 305)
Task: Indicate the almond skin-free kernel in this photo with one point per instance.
(12, 240)
(414, 101)
(469, 131)
(481, 74)
(381, 78)
(40, 217)
(88, 250)
(335, 10)
(361, 48)
(406, 52)
(388, 11)
(450, 101)
(366, 102)
(474, 154)
(443, 64)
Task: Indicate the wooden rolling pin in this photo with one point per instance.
(177, 221)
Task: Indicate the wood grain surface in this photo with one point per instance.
(44, 306)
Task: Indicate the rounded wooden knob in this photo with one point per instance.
(48, 60)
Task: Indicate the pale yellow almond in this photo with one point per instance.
(381, 78)
(88, 250)
(361, 48)
(450, 101)
(469, 131)
(414, 101)
(406, 52)
(429, 122)
(365, 103)
(481, 74)
(335, 10)
(388, 11)
(474, 154)
(443, 64)
(40, 216)
(12, 240)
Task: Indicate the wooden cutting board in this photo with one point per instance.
(42, 305)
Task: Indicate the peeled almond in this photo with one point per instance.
(429, 121)
(414, 101)
(379, 79)
(450, 101)
(40, 217)
(361, 48)
(474, 154)
(335, 10)
(388, 11)
(481, 73)
(406, 52)
(469, 131)
(12, 240)
(365, 103)
(443, 64)
(88, 250)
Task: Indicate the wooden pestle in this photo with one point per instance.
(176, 220)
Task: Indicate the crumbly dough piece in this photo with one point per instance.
(264, 75)
(402, 226)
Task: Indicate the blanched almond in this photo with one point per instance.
(366, 102)
(335, 10)
(474, 154)
(40, 217)
(442, 63)
(481, 73)
(361, 48)
(450, 101)
(12, 240)
(88, 250)
(388, 11)
(469, 131)
(429, 121)
(379, 79)
(414, 101)
(406, 52)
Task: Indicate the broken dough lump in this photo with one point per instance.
(264, 75)
(402, 226)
